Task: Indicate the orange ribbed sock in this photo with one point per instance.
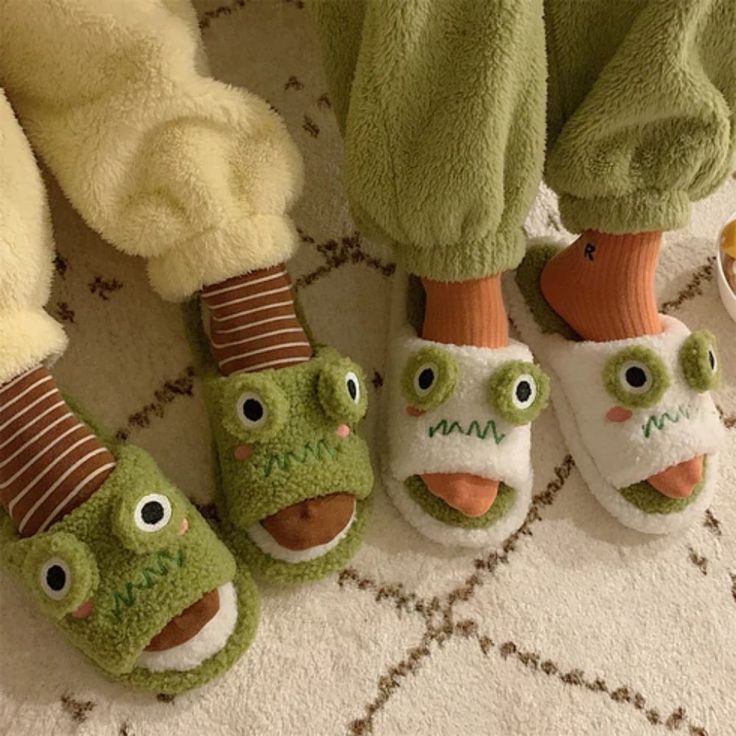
(603, 287)
(465, 313)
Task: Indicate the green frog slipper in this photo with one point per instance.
(294, 477)
(137, 580)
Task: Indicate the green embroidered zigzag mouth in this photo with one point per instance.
(150, 574)
(446, 428)
(318, 452)
(660, 421)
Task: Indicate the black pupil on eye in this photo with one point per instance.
(352, 389)
(426, 379)
(712, 360)
(152, 512)
(636, 377)
(253, 410)
(56, 578)
(523, 391)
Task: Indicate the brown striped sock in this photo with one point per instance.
(50, 462)
(253, 323)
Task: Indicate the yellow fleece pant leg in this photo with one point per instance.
(28, 336)
(162, 160)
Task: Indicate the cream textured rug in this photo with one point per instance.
(574, 626)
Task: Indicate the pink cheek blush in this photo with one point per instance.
(619, 414)
(343, 431)
(243, 452)
(412, 411)
(84, 610)
(184, 527)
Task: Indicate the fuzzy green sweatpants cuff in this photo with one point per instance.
(452, 110)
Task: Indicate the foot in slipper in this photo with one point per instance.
(459, 417)
(138, 581)
(635, 408)
(294, 475)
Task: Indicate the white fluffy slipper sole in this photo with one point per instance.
(409, 452)
(209, 640)
(547, 347)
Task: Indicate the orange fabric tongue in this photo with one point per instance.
(679, 481)
(187, 624)
(469, 494)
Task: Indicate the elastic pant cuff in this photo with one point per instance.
(643, 211)
(256, 241)
(28, 339)
(463, 261)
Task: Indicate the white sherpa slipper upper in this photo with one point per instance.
(464, 434)
(679, 426)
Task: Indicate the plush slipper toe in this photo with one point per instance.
(459, 430)
(139, 582)
(294, 476)
(636, 414)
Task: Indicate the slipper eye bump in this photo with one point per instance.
(55, 578)
(152, 512)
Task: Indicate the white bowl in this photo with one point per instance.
(724, 288)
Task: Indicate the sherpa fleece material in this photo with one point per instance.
(131, 580)
(442, 106)
(162, 160)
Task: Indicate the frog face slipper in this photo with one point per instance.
(294, 475)
(138, 581)
(628, 409)
(460, 409)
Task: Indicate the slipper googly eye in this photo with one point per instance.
(429, 378)
(152, 513)
(55, 579)
(636, 377)
(518, 391)
(424, 378)
(699, 361)
(524, 391)
(352, 384)
(62, 572)
(254, 407)
(252, 410)
(148, 522)
(341, 391)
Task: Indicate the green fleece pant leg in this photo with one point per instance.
(642, 109)
(442, 105)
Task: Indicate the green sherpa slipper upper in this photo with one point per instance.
(283, 436)
(112, 574)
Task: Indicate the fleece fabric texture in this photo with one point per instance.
(161, 159)
(28, 335)
(671, 419)
(413, 637)
(305, 445)
(465, 433)
(442, 107)
(137, 580)
(443, 416)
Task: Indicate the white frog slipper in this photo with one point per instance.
(458, 409)
(628, 409)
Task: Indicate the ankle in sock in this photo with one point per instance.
(465, 313)
(253, 322)
(603, 285)
(50, 462)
